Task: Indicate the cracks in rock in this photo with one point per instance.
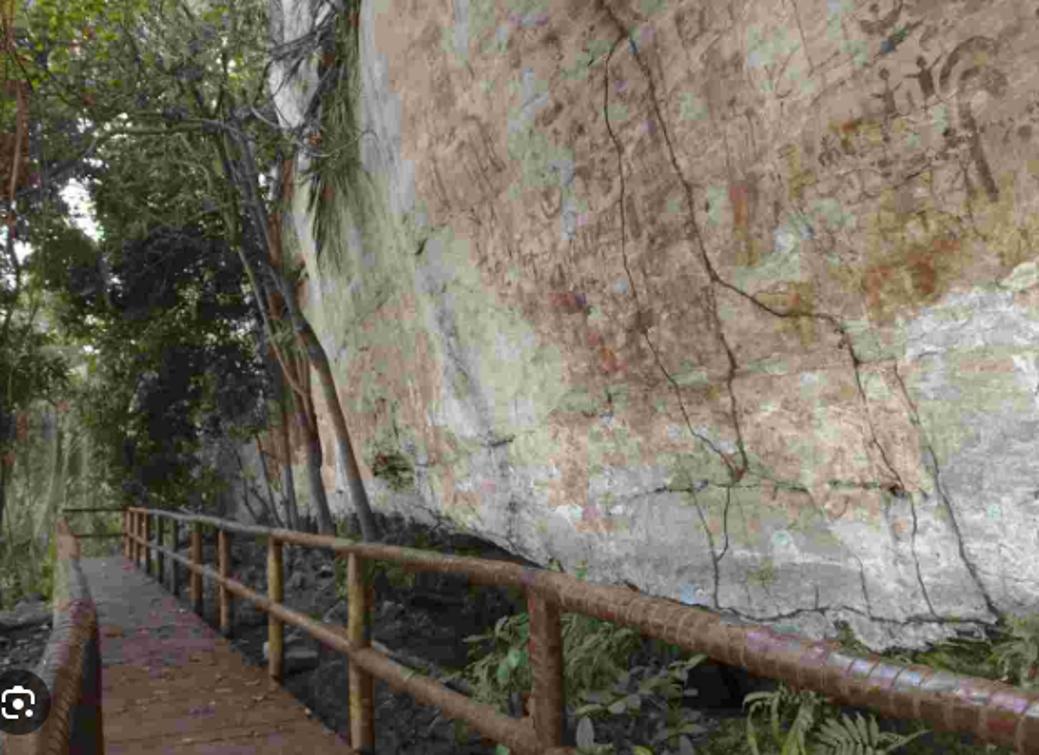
(741, 469)
(935, 472)
(512, 510)
(856, 368)
(725, 549)
(710, 544)
(912, 620)
(716, 556)
(735, 472)
(901, 493)
(896, 486)
(960, 544)
(865, 588)
(916, 558)
(716, 278)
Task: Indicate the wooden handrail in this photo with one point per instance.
(70, 666)
(992, 711)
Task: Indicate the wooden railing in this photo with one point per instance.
(993, 712)
(70, 666)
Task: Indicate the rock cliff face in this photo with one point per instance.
(735, 300)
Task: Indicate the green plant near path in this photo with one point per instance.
(594, 654)
(1018, 654)
(500, 666)
(805, 723)
(661, 693)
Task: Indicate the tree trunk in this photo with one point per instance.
(269, 503)
(315, 351)
(288, 480)
(315, 457)
(344, 447)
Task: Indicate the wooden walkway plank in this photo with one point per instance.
(171, 684)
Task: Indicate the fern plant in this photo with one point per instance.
(805, 723)
(778, 705)
(860, 736)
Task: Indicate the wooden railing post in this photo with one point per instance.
(160, 560)
(133, 537)
(362, 709)
(126, 534)
(196, 560)
(546, 663)
(146, 533)
(224, 558)
(275, 628)
(132, 534)
(174, 566)
(140, 536)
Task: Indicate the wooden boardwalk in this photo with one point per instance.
(171, 684)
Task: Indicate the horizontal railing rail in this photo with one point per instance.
(70, 666)
(991, 711)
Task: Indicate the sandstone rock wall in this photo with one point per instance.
(735, 300)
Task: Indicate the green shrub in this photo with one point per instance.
(594, 654)
(500, 665)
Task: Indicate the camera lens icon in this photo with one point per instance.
(17, 702)
(25, 702)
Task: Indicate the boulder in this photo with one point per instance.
(718, 336)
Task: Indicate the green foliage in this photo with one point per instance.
(500, 665)
(1010, 653)
(788, 733)
(634, 691)
(399, 576)
(26, 565)
(35, 477)
(594, 654)
(393, 467)
(805, 723)
(340, 567)
(119, 93)
(858, 736)
(628, 692)
(172, 362)
(1018, 654)
(337, 139)
(960, 655)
